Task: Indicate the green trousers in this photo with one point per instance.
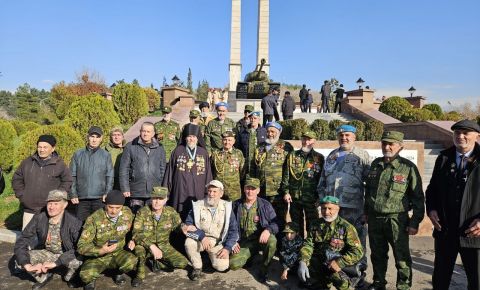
(303, 210)
(323, 277)
(170, 258)
(122, 260)
(251, 246)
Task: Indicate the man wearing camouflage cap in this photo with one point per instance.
(167, 131)
(248, 138)
(218, 126)
(228, 167)
(393, 187)
(243, 122)
(52, 235)
(332, 245)
(195, 119)
(151, 232)
(257, 227)
(300, 179)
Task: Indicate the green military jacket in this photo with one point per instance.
(147, 231)
(268, 166)
(116, 154)
(214, 131)
(338, 236)
(393, 188)
(229, 168)
(168, 134)
(301, 174)
(99, 229)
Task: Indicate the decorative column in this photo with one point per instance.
(263, 33)
(235, 66)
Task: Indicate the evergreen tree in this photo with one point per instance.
(189, 81)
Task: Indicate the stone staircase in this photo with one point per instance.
(431, 151)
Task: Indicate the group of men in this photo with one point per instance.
(232, 189)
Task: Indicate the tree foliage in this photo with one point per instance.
(22, 127)
(7, 102)
(202, 91)
(320, 127)
(395, 107)
(333, 125)
(452, 116)
(373, 130)
(7, 138)
(130, 102)
(417, 115)
(293, 129)
(153, 98)
(189, 81)
(435, 109)
(360, 126)
(32, 104)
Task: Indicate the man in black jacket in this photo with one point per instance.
(53, 237)
(288, 106)
(453, 206)
(2, 181)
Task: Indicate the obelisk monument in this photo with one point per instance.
(263, 33)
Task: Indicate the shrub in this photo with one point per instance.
(320, 127)
(130, 102)
(153, 98)
(417, 115)
(452, 116)
(22, 127)
(286, 129)
(333, 125)
(7, 139)
(435, 109)
(360, 134)
(292, 129)
(395, 107)
(373, 130)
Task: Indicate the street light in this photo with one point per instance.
(360, 83)
(411, 90)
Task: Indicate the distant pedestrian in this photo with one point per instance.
(269, 105)
(309, 101)
(325, 95)
(339, 92)
(288, 106)
(303, 98)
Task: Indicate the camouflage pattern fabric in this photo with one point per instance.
(54, 240)
(214, 131)
(116, 154)
(290, 252)
(228, 168)
(121, 260)
(168, 134)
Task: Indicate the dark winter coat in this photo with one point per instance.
(288, 106)
(269, 104)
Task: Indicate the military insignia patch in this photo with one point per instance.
(399, 179)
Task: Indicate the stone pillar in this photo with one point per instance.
(263, 33)
(235, 66)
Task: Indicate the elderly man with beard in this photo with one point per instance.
(332, 244)
(52, 237)
(300, 179)
(268, 167)
(210, 226)
(343, 176)
(248, 138)
(393, 187)
(218, 126)
(188, 171)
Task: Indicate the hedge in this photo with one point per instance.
(373, 130)
(22, 127)
(320, 127)
(7, 139)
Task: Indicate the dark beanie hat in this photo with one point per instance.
(47, 138)
(115, 197)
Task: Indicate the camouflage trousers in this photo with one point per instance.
(42, 256)
(303, 210)
(382, 231)
(323, 277)
(171, 258)
(122, 260)
(354, 216)
(251, 246)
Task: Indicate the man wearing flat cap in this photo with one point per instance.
(37, 175)
(103, 241)
(243, 122)
(332, 245)
(92, 173)
(218, 126)
(167, 131)
(248, 138)
(257, 227)
(300, 179)
(288, 106)
(228, 167)
(453, 206)
(393, 188)
(343, 176)
(151, 233)
(49, 241)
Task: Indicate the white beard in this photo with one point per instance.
(272, 141)
(306, 149)
(330, 219)
(211, 202)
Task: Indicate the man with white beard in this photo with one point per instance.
(210, 226)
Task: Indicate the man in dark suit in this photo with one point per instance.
(453, 206)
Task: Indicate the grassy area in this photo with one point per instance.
(10, 214)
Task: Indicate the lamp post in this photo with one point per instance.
(411, 90)
(360, 83)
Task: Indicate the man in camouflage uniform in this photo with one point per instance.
(269, 159)
(205, 116)
(168, 132)
(248, 138)
(103, 239)
(393, 187)
(195, 119)
(343, 176)
(151, 232)
(331, 246)
(218, 126)
(228, 167)
(243, 122)
(115, 148)
(300, 179)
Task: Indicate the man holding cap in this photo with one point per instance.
(151, 232)
(218, 126)
(168, 131)
(393, 187)
(92, 173)
(243, 122)
(52, 235)
(257, 227)
(37, 175)
(210, 226)
(103, 240)
(453, 206)
(300, 179)
(332, 245)
(248, 138)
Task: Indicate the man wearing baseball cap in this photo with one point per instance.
(453, 206)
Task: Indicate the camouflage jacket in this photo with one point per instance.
(99, 229)
(268, 166)
(393, 188)
(147, 231)
(338, 236)
(301, 174)
(214, 131)
(168, 134)
(228, 167)
(344, 177)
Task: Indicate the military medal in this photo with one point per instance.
(190, 164)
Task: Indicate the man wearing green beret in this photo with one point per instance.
(228, 166)
(393, 187)
(151, 232)
(218, 126)
(168, 131)
(331, 247)
(300, 178)
(257, 227)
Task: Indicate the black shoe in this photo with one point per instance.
(39, 285)
(90, 286)
(358, 282)
(264, 278)
(195, 274)
(373, 287)
(137, 282)
(119, 279)
(72, 284)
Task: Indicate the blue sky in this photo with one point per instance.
(433, 45)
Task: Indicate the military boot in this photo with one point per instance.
(119, 279)
(90, 286)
